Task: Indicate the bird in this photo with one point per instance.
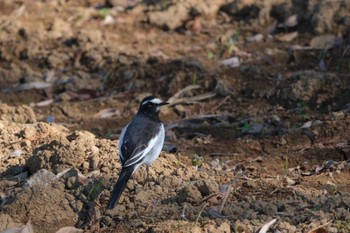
(140, 142)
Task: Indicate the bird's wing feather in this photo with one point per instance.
(121, 139)
(137, 139)
(136, 156)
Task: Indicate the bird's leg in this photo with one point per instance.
(133, 179)
(147, 170)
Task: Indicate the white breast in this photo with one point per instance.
(157, 146)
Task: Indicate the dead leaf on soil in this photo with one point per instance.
(291, 21)
(267, 226)
(287, 37)
(192, 100)
(42, 103)
(106, 113)
(32, 85)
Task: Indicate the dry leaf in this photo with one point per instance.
(267, 226)
(42, 103)
(32, 85)
(290, 22)
(287, 37)
(306, 125)
(106, 113)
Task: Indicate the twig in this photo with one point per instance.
(225, 198)
(200, 212)
(323, 225)
(187, 121)
(228, 191)
(210, 196)
(183, 216)
(180, 93)
(191, 100)
(222, 102)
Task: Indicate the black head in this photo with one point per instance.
(151, 105)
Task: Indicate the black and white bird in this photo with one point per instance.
(140, 142)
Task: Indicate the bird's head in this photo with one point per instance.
(151, 105)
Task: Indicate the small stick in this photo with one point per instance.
(229, 190)
(200, 212)
(183, 213)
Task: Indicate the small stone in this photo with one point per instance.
(69, 197)
(41, 177)
(85, 165)
(72, 180)
(26, 143)
(283, 141)
(64, 97)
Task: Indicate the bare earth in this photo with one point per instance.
(258, 126)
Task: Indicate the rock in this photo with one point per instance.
(71, 178)
(42, 177)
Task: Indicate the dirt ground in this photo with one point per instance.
(257, 129)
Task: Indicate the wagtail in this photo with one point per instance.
(140, 142)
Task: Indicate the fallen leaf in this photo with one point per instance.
(290, 22)
(267, 226)
(287, 36)
(16, 153)
(42, 103)
(306, 125)
(106, 113)
(32, 85)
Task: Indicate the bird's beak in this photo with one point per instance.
(163, 103)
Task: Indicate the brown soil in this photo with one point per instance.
(273, 132)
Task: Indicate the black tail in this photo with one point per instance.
(124, 176)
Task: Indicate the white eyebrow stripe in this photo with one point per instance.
(155, 101)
